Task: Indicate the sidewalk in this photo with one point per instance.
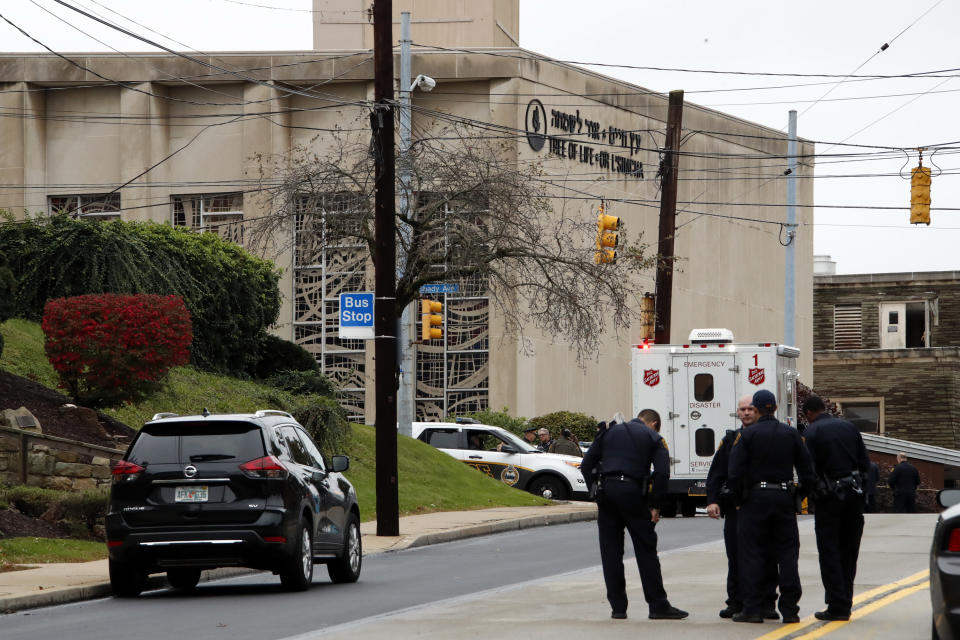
(59, 583)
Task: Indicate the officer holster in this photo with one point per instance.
(725, 500)
(842, 488)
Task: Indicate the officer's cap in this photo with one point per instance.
(529, 429)
(764, 399)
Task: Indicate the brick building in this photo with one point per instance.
(887, 350)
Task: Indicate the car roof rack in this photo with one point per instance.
(272, 412)
(158, 416)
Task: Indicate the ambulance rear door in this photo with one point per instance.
(704, 397)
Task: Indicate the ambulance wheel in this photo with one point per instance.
(688, 508)
(669, 508)
(548, 486)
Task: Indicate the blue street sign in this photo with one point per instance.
(440, 287)
(356, 316)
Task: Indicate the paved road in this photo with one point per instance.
(542, 582)
(256, 607)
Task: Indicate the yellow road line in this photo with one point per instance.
(790, 629)
(863, 611)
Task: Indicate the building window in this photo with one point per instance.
(847, 321)
(220, 213)
(93, 206)
(329, 259)
(866, 414)
(453, 374)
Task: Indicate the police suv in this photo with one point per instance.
(502, 455)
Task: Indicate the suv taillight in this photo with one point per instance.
(953, 544)
(124, 471)
(265, 467)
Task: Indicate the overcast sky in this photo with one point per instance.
(813, 37)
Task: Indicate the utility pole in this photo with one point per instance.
(408, 373)
(789, 284)
(669, 167)
(385, 266)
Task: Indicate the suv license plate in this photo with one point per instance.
(191, 494)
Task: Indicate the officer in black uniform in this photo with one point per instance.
(720, 503)
(841, 462)
(625, 453)
(762, 461)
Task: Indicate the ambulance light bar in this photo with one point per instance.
(711, 336)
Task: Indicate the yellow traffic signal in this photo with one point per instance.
(920, 195)
(432, 323)
(607, 227)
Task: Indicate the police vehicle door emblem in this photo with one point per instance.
(651, 377)
(510, 475)
(756, 376)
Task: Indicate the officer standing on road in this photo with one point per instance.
(626, 452)
(841, 462)
(720, 503)
(762, 461)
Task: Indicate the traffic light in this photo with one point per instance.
(432, 323)
(920, 195)
(607, 227)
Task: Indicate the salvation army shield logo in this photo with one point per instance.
(651, 377)
(756, 376)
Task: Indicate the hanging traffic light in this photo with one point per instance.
(920, 194)
(607, 227)
(432, 323)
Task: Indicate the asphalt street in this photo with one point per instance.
(542, 582)
(255, 606)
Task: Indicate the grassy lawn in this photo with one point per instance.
(23, 352)
(14, 551)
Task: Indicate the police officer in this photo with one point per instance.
(762, 461)
(530, 436)
(626, 451)
(841, 462)
(720, 503)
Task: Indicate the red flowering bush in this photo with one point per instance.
(112, 348)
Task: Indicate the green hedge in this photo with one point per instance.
(277, 354)
(584, 427)
(82, 511)
(232, 295)
(500, 418)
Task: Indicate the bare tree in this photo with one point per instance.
(474, 217)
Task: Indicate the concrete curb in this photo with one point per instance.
(499, 527)
(79, 593)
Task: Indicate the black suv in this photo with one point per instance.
(248, 490)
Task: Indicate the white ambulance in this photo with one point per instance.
(694, 387)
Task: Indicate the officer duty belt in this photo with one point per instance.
(779, 486)
(619, 476)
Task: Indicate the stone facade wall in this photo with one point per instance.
(870, 291)
(54, 463)
(920, 389)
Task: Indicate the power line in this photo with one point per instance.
(531, 56)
